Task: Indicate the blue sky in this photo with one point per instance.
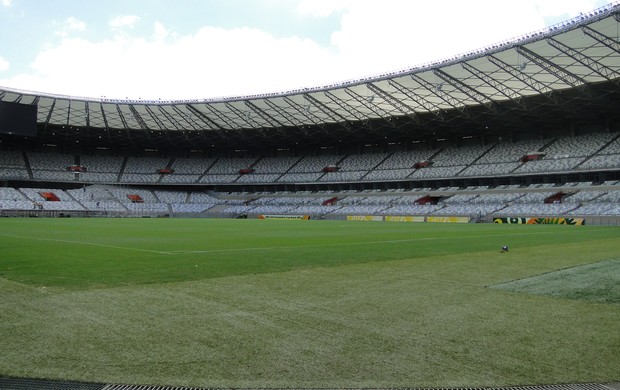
(192, 49)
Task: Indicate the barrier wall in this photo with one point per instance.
(540, 221)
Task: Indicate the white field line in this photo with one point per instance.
(253, 249)
(350, 243)
(84, 243)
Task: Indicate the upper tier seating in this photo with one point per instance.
(278, 165)
(230, 165)
(459, 156)
(595, 151)
(315, 163)
(101, 169)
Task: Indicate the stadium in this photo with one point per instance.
(342, 236)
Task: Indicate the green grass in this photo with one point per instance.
(249, 303)
(598, 282)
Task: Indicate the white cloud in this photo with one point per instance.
(376, 37)
(322, 8)
(211, 62)
(6, 3)
(4, 64)
(161, 32)
(571, 8)
(373, 37)
(123, 21)
(69, 26)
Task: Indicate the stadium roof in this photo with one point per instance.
(558, 75)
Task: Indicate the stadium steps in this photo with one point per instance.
(598, 151)
(206, 171)
(336, 164)
(376, 166)
(26, 197)
(476, 159)
(428, 159)
(122, 170)
(294, 165)
(155, 196)
(74, 199)
(548, 144)
(288, 170)
(168, 166)
(27, 163)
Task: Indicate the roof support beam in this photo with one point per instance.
(556, 70)
(206, 120)
(335, 116)
(105, 122)
(198, 132)
(525, 79)
(48, 117)
(394, 102)
(464, 88)
(162, 126)
(49, 114)
(454, 103)
(124, 122)
(602, 39)
(267, 118)
(173, 120)
(500, 87)
(290, 118)
(246, 117)
(223, 118)
(140, 121)
(138, 117)
(121, 116)
(305, 111)
(87, 110)
(387, 117)
(596, 66)
(186, 115)
(425, 104)
(214, 125)
(339, 102)
(155, 118)
(69, 113)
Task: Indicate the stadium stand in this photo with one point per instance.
(484, 142)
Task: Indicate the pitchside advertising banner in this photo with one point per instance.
(297, 217)
(540, 221)
(393, 218)
(448, 219)
(364, 218)
(403, 218)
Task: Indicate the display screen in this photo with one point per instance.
(18, 119)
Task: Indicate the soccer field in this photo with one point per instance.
(272, 303)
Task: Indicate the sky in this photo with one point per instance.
(197, 49)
